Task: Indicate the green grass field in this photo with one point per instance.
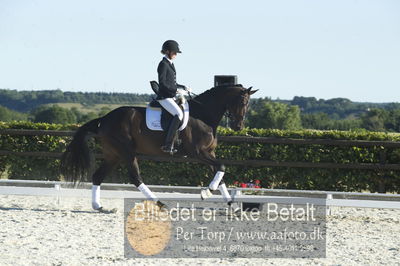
(93, 108)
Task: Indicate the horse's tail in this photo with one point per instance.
(76, 160)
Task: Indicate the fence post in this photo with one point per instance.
(234, 193)
(57, 187)
(329, 197)
(381, 180)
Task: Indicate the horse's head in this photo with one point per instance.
(237, 107)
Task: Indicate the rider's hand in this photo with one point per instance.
(181, 91)
(188, 89)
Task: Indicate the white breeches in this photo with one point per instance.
(170, 105)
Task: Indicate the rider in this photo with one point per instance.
(167, 91)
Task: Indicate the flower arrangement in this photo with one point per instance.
(252, 184)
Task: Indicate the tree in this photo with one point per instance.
(275, 115)
(392, 122)
(7, 115)
(87, 117)
(104, 110)
(54, 114)
(374, 119)
(324, 122)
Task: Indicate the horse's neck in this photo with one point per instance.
(208, 111)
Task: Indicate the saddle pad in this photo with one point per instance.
(153, 117)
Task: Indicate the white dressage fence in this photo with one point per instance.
(249, 195)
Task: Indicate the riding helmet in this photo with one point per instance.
(171, 46)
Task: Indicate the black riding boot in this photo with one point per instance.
(169, 140)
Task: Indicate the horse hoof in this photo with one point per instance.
(162, 205)
(234, 207)
(205, 193)
(102, 210)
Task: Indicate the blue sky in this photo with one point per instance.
(285, 48)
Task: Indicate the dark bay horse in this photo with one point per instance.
(123, 135)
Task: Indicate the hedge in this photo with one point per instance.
(37, 168)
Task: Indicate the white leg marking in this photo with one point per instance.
(205, 193)
(225, 194)
(147, 192)
(96, 197)
(217, 179)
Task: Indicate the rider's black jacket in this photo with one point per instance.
(167, 79)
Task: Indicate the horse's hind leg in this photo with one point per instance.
(136, 179)
(97, 178)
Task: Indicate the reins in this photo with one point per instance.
(192, 99)
(226, 114)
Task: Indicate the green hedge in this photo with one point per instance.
(18, 167)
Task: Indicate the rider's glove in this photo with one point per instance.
(188, 89)
(181, 91)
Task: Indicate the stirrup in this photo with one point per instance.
(169, 149)
(178, 142)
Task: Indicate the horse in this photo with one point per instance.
(123, 135)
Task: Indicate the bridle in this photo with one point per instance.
(227, 113)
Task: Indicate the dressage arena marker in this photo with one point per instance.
(58, 190)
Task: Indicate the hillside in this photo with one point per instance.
(26, 101)
(56, 106)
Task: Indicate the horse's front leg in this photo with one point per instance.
(219, 171)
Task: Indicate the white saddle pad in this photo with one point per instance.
(153, 117)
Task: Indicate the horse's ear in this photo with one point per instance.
(250, 92)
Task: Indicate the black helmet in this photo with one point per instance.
(171, 46)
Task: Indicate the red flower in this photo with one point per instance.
(243, 185)
(257, 186)
(257, 181)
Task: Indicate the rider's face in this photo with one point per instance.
(172, 55)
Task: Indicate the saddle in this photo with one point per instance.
(157, 118)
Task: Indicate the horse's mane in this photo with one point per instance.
(215, 90)
(210, 105)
